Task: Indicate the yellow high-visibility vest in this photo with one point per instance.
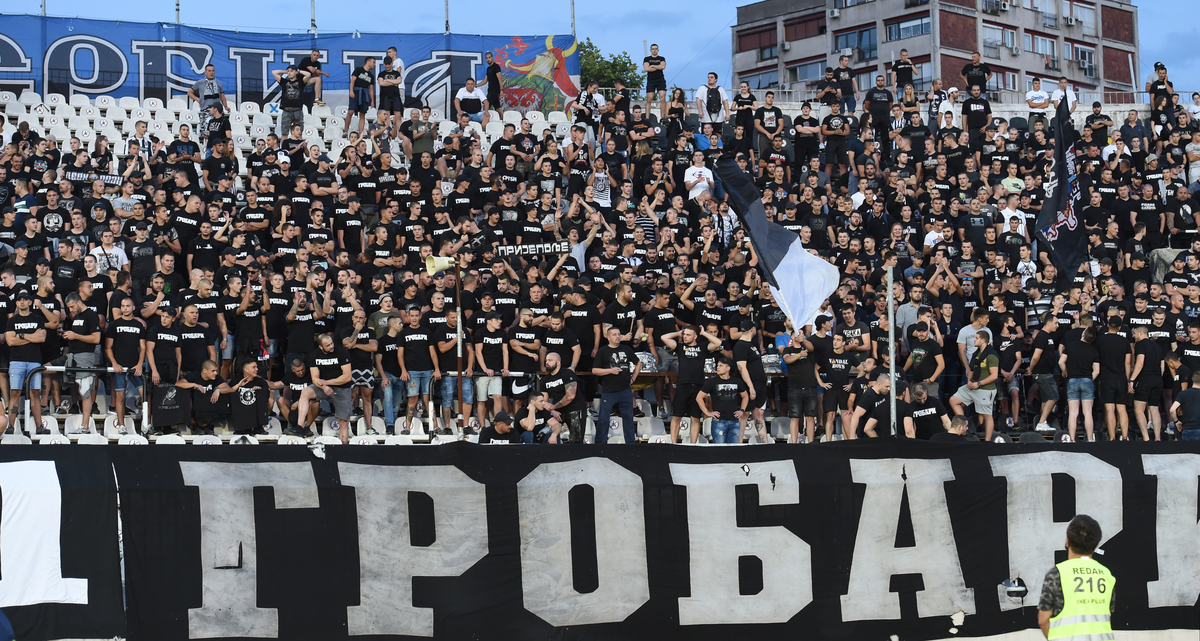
(1087, 589)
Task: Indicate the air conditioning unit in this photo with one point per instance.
(1083, 63)
(783, 86)
(835, 13)
(1016, 50)
(1004, 6)
(1069, 20)
(787, 46)
(848, 52)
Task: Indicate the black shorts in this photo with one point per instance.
(494, 101)
(761, 395)
(685, 401)
(393, 104)
(835, 153)
(656, 85)
(835, 399)
(1113, 390)
(1149, 392)
(802, 402)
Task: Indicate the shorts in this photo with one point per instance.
(836, 399)
(86, 380)
(363, 378)
(418, 382)
(802, 402)
(1113, 390)
(667, 360)
(761, 396)
(1080, 389)
(1047, 387)
(18, 370)
(685, 401)
(1149, 392)
(230, 348)
(488, 386)
(392, 104)
(125, 381)
(656, 85)
(476, 117)
(1015, 384)
(360, 101)
(518, 387)
(340, 401)
(835, 153)
(450, 390)
(981, 399)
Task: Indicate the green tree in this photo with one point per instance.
(593, 65)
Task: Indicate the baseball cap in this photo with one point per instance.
(229, 251)
(1106, 261)
(21, 244)
(1137, 256)
(354, 199)
(323, 158)
(744, 301)
(746, 324)
(43, 261)
(1097, 104)
(24, 293)
(726, 361)
(378, 276)
(284, 158)
(142, 225)
(1151, 157)
(291, 68)
(952, 90)
(1115, 321)
(167, 309)
(921, 327)
(503, 417)
(492, 315)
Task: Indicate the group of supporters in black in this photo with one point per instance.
(588, 261)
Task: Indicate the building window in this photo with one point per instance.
(757, 40)
(762, 79)
(841, 4)
(768, 53)
(1041, 44)
(863, 40)
(1004, 81)
(807, 72)
(996, 38)
(809, 27)
(910, 28)
(865, 79)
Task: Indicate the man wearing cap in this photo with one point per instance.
(25, 333)
(501, 429)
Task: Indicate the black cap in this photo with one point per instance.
(167, 309)
(726, 361)
(43, 261)
(745, 301)
(1097, 104)
(1143, 296)
(229, 251)
(821, 320)
(921, 327)
(502, 417)
(261, 252)
(378, 276)
(1106, 261)
(142, 225)
(1137, 256)
(1115, 321)
(492, 315)
(746, 325)
(354, 199)
(24, 293)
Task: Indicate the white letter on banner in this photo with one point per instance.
(1033, 535)
(876, 557)
(547, 582)
(716, 542)
(30, 537)
(387, 559)
(1176, 530)
(228, 554)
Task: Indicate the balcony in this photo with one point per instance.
(1052, 63)
(909, 4)
(1049, 21)
(991, 49)
(993, 7)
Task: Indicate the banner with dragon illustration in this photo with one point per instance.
(71, 56)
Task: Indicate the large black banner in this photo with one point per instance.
(60, 565)
(841, 541)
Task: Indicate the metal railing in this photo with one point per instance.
(802, 92)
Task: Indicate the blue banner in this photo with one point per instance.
(72, 56)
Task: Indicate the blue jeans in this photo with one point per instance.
(1189, 435)
(623, 401)
(18, 370)
(450, 390)
(1080, 389)
(724, 431)
(418, 382)
(392, 395)
(848, 105)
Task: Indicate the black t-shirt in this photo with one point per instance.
(726, 395)
(691, 362)
(329, 364)
(85, 324)
(518, 362)
(1189, 403)
(1045, 342)
(555, 385)
(360, 359)
(1152, 361)
(489, 434)
(127, 336)
(193, 346)
(493, 349)
(927, 417)
(166, 341)
(1113, 348)
(562, 343)
(834, 122)
(747, 351)
(31, 353)
(416, 343)
(656, 75)
(1080, 358)
(621, 357)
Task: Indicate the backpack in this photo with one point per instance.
(712, 101)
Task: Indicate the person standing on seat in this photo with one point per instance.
(1077, 598)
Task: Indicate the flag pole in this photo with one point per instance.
(891, 316)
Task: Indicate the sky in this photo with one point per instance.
(694, 37)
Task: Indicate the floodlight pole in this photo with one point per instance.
(891, 316)
(447, 17)
(572, 17)
(176, 10)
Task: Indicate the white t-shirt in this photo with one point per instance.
(948, 106)
(693, 173)
(1037, 96)
(1194, 110)
(114, 257)
(463, 95)
(702, 96)
(1193, 168)
(1058, 95)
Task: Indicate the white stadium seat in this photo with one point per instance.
(535, 116)
(89, 112)
(64, 110)
(249, 108)
(170, 439)
(263, 119)
(333, 133)
(177, 105)
(312, 121)
(556, 117)
(40, 110)
(495, 128)
(51, 122)
(336, 121)
(322, 111)
(101, 124)
(159, 127)
(86, 135)
(152, 104)
(7, 97)
(116, 114)
(238, 118)
(105, 102)
(30, 98)
(259, 131)
(92, 439)
(139, 114)
(539, 128)
(56, 439)
(80, 100)
(512, 116)
(133, 439)
(338, 145)
(78, 122)
(55, 99)
(310, 132)
(61, 133)
(562, 130)
(128, 103)
(190, 117)
(242, 141)
(16, 439)
(341, 110)
(165, 115)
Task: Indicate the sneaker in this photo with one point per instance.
(319, 103)
(123, 431)
(1044, 427)
(638, 413)
(293, 430)
(63, 407)
(664, 414)
(471, 429)
(79, 430)
(156, 431)
(371, 432)
(42, 430)
(405, 431)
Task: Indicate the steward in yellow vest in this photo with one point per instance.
(1077, 594)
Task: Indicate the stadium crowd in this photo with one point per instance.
(593, 263)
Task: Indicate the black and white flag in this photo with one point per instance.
(799, 281)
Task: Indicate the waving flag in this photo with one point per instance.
(1059, 226)
(799, 281)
